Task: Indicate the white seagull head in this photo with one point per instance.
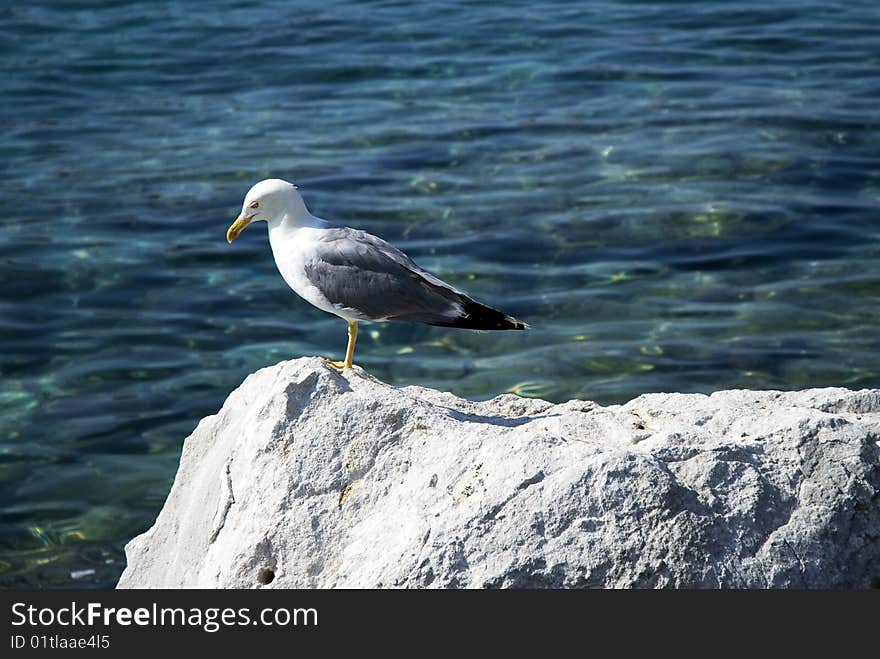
(272, 200)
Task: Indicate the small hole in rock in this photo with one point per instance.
(265, 576)
(875, 582)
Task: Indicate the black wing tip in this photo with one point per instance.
(482, 317)
(511, 323)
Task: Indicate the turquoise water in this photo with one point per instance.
(677, 196)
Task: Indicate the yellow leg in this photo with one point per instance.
(349, 352)
(352, 339)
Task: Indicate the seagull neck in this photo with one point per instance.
(295, 220)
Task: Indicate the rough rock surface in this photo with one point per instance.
(311, 478)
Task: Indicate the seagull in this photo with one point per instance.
(353, 274)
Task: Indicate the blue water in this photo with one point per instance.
(676, 195)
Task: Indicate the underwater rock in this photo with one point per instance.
(308, 477)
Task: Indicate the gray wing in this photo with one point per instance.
(374, 280)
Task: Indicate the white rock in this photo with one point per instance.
(311, 478)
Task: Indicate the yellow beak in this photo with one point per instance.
(237, 227)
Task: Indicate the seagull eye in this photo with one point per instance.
(255, 205)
